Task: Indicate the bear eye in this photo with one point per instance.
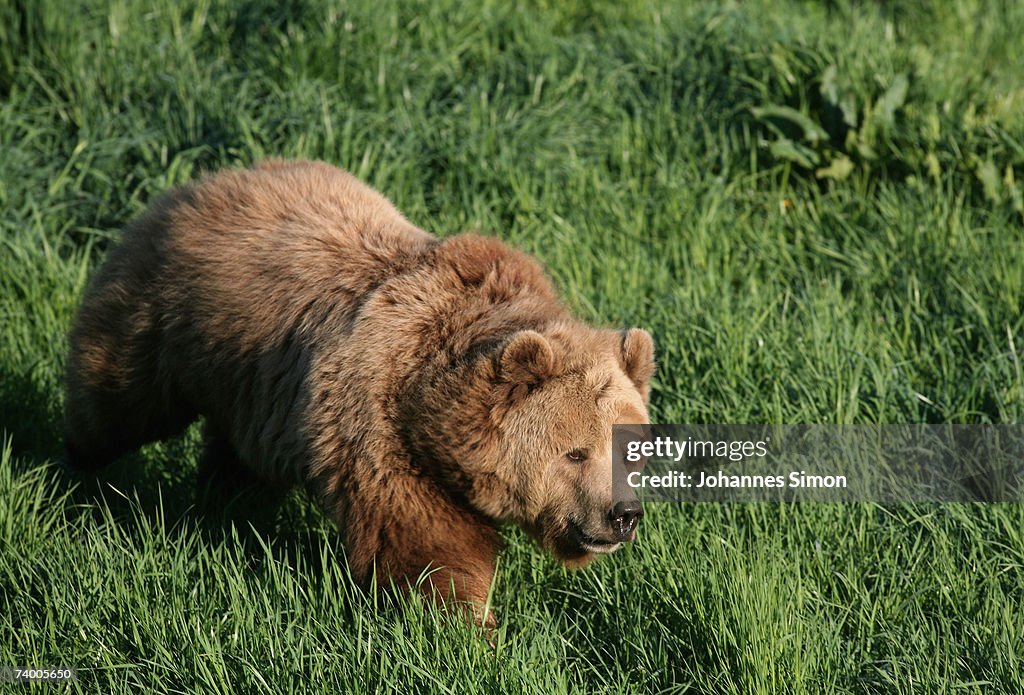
(577, 455)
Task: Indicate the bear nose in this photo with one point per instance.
(624, 517)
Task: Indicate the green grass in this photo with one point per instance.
(815, 207)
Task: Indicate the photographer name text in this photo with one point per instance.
(722, 480)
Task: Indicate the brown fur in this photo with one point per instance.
(427, 390)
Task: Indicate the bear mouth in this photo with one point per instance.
(589, 543)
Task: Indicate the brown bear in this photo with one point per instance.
(428, 390)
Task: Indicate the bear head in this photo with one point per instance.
(522, 433)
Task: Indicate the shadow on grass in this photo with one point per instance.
(657, 647)
(160, 482)
(29, 415)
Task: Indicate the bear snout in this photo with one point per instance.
(624, 518)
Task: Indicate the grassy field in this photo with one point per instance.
(816, 208)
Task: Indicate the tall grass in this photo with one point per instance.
(815, 207)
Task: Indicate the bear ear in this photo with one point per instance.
(527, 358)
(638, 357)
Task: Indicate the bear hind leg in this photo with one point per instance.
(104, 420)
